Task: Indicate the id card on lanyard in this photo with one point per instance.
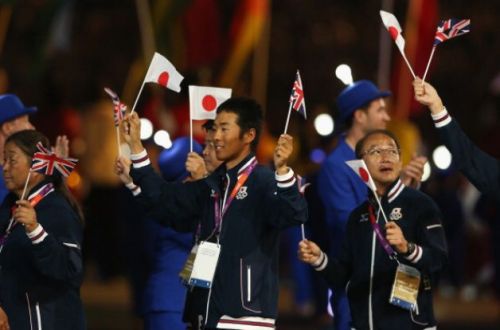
(407, 279)
(202, 261)
(405, 287)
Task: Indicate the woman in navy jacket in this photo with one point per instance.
(40, 257)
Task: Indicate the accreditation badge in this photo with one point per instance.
(185, 273)
(205, 264)
(405, 287)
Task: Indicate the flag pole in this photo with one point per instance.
(380, 206)
(303, 231)
(190, 129)
(288, 117)
(428, 64)
(118, 141)
(407, 63)
(137, 97)
(26, 185)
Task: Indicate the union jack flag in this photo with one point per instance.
(45, 162)
(119, 108)
(451, 28)
(297, 96)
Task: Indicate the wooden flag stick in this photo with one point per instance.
(288, 117)
(137, 97)
(118, 141)
(26, 185)
(428, 64)
(407, 63)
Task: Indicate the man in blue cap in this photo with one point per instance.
(362, 108)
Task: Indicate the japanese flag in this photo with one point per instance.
(162, 72)
(359, 166)
(203, 101)
(392, 25)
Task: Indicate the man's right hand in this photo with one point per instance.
(308, 252)
(195, 165)
(427, 95)
(4, 320)
(130, 128)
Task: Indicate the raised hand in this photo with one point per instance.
(282, 153)
(427, 95)
(411, 174)
(61, 148)
(195, 165)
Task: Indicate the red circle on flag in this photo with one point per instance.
(209, 103)
(363, 174)
(163, 78)
(393, 32)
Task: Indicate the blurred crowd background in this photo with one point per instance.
(58, 55)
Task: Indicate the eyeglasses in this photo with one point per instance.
(378, 152)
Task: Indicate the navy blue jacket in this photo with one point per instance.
(249, 236)
(480, 168)
(40, 283)
(419, 219)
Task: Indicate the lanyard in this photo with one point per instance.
(44, 191)
(241, 180)
(378, 232)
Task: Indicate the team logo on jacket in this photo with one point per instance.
(364, 217)
(396, 214)
(242, 193)
(213, 194)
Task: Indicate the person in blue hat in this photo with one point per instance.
(14, 117)
(362, 108)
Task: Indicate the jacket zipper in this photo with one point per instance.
(370, 311)
(249, 283)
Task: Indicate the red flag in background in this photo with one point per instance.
(420, 28)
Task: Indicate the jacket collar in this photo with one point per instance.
(393, 192)
(220, 172)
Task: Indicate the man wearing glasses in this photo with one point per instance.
(392, 253)
(362, 108)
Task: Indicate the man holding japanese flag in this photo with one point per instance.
(394, 246)
(362, 108)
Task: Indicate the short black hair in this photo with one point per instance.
(249, 114)
(208, 125)
(361, 143)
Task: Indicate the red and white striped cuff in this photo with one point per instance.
(416, 255)
(140, 160)
(321, 263)
(442, 118)
(285, 180)
(37, 235)
(134, 189)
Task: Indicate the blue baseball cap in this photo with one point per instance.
(356, 96)
(172, 161)
(11, 107)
